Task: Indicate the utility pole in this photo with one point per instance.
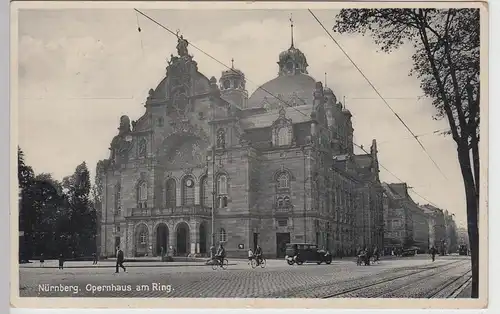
(214, 191)
(305, 195)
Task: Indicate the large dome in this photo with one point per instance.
(288, 88)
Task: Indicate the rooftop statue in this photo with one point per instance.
(182, 45)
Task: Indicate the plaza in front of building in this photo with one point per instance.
(419, 277)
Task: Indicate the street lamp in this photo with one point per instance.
(303, 148)
(212, 159)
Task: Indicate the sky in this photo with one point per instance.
(81, 69)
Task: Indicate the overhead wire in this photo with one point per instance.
(139, 30)
(378, 93)
(265, 90)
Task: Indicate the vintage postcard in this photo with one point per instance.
(219, 154)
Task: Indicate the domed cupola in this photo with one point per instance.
(232, 79)
(232, 86)
(292, 61)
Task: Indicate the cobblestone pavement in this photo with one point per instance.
(240, 280)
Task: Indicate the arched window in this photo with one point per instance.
(118, 198)
(283, 181)
(283, 136)
(142, 147)
(170, 197)
(222, 185)
(143, 237)
(205, 193)
(222, 235)
(221, 138)
(188, 191)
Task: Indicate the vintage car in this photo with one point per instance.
(463, 250)
(411, 251)
(304, 252)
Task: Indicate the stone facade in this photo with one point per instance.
(463, 236)
(451, 233)
(274, 168)
(406, 224)
(437, 227)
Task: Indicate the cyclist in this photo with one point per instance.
(258, 254)
(221, 254)
(250, 255)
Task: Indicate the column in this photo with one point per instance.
(129, 240)
(149, 248)
(197, 188)
(172, 237)
(194, 237)
(178, 193)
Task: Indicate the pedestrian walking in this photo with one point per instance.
(433, 253)
(119, 261)
(94, 257)
(61, 261)
(42, 260)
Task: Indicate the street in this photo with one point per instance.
(413, 277)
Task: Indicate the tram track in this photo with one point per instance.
(366, 290)
(451, 286)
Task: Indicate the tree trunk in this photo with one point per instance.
(475, 161)
(472, 214)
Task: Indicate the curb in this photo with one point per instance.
(128, 266)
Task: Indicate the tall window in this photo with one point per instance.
(283, 136)
(143, 237)
(222, 185)
(221, 138)
(170, 197)
(222, 235)
(142, 147)
(283, 181)
(188, 191)
(205, 193)
(118, 199)
(222, 191)
(142, 195)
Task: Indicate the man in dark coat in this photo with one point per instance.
(94, 257)
(61, 261)
(119, 261)
(433, 253)
(258, 254)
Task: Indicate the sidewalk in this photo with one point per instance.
(112, 264)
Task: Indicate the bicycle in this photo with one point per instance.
(375, 260)
(262, 263)
(222, 265)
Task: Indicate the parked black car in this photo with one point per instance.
(304, 252)
(412, 251)
(463, 250)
